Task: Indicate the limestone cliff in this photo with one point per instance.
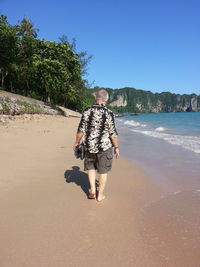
(120, 102)
(133, 100)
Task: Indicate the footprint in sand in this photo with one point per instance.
(87, 244)
(92, 214)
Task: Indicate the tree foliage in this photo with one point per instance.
(46, 70)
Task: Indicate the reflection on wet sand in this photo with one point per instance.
(170, 228)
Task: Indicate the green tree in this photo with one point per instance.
(57, 71)
(8, 48)
(27, 49)
(47, 70)
(25, 28)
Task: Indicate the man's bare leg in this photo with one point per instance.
(102, 184)
(92, 178)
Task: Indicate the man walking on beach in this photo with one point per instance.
(97, 128)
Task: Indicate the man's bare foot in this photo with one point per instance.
(100, 198)
(92, 195)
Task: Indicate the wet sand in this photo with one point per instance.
(47, 220)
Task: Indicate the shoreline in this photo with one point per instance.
(169, 165)
(44, 205)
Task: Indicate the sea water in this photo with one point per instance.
(166, 145)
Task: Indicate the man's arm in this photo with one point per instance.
(79, 136)
(115, 142)
(80, 132)
(114, 134)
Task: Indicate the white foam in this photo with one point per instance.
(160, 129)
(191, 143)
(135, 123)
(177, 192)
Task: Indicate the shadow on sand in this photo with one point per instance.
(78, 177)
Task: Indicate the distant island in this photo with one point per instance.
(134, 100)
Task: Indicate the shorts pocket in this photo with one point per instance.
(89, 164)
(109, 158)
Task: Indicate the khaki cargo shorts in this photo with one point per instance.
(102, 161)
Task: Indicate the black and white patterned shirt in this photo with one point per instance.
(98, 125)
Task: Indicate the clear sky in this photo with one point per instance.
(147, 44)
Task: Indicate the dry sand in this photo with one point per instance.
(46, 218)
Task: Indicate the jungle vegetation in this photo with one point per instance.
(50, 71)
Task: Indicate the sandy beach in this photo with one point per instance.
(47, 219)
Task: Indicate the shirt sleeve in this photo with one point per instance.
(111, 125)
(82, 124)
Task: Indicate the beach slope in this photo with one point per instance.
(46, 217)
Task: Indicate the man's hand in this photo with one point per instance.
(116, 151)
(75, 146)
(79, 136)
(116, 146)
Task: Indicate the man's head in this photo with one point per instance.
(101, 96)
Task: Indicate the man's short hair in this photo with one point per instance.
(102, 95)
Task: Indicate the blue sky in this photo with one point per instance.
(147, 44)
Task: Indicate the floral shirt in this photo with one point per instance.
(98, 125)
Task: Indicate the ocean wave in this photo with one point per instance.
(160, 129)
(135, 123)
(191, 143)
